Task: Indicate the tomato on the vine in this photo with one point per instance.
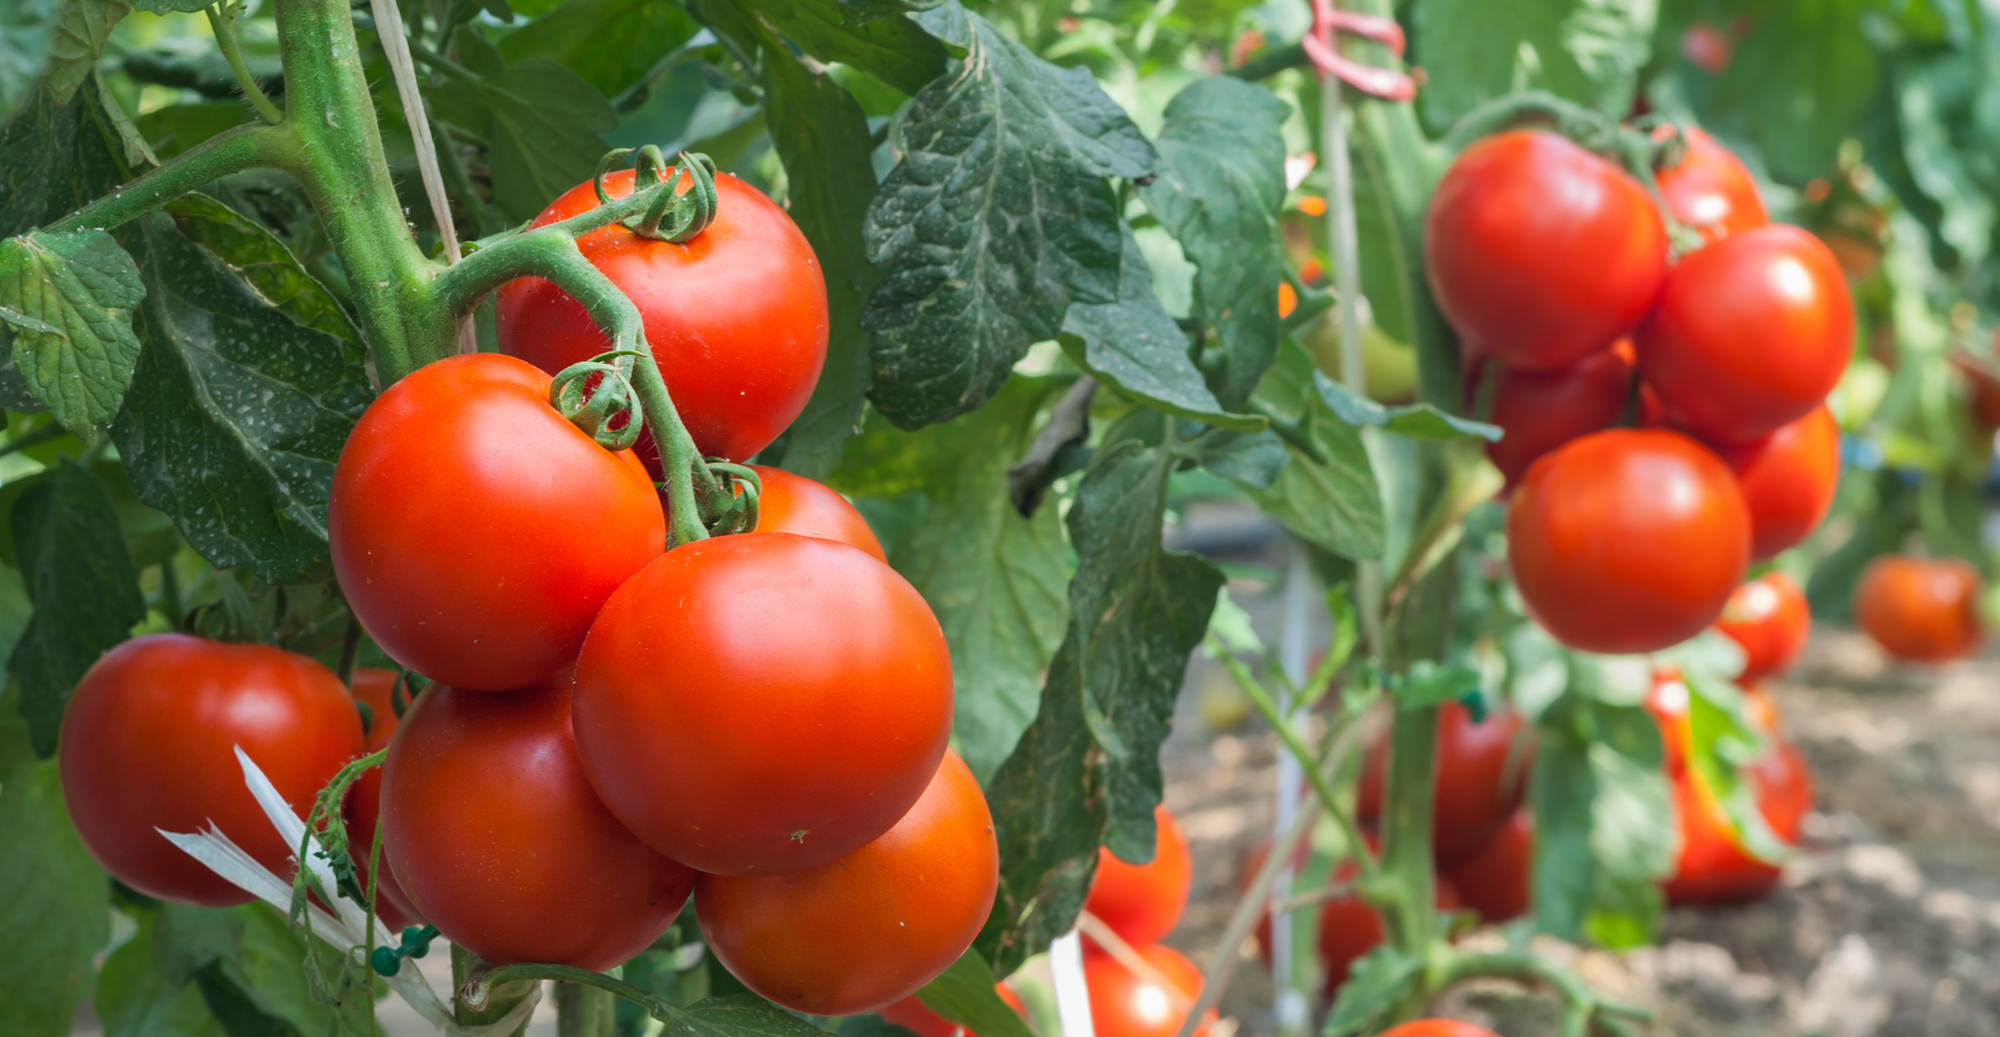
(1923, 609)
(1143, 902)
(149, 743)
(1480, 772)
(736, 316)
(1749, 333)
(861, 933)
(1126, 1004)
(476, 531)
(1542, 410)
(1496, 878)
(795, 504)
(1710, 190)
(1767, 617)
(1541, 252)
(1437, 1028)
(1628, 540)
(765, 702)
(1788, 478)
(364, 801)
(498, 839)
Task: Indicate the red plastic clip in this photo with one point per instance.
(1378, 82)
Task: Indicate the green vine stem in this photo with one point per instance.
(478, 990)
(251, 146)
(497, 996)
(1407, 889)
(222, 19)
(1581, 1005)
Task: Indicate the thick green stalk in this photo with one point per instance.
(342, 165)
(251, 146)
(584, 1011)
(1406, 829)
(494, 1000)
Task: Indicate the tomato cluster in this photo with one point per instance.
(757, 721)
(1553, 265)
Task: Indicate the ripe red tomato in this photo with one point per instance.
(1495, 879)
(364, 802)
(475, 531)
(899, 910)
(1749, 333)
(913, 1015)
(1788, 479)
(1348, 926)
(1921, 609)
(1784, 788)
(736, 316)
(1711, 190)
(1437, 1028)
(1479, 777)
(1628, 540)
(795, 504)
(761, 703)
(1542, 410)
(1125, 1004)
(1143, 902)
(1768, 618)
(497, 838)
(148, 743)
(1540, 251)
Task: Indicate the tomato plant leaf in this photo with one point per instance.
(1087, 771)
(249, 383)
(1250, 460)
(170, 6)
(1374, 984)
(1135, 345)
(543, 126)
(82, 26)
(1431, 683)
(738, 1015)
(134, 999)
(895, 50)
(1561, 789)
(998, 215)
(964, 994)
(860, 11)
(1416, 420)
(1589, 51)
(69, 299)
(53, 914)
(1328, 494)
(611, 44)
(54, 158)
(1219, 186)
(82, 584)
(822, 137)
(1721, 743)
(27, 33)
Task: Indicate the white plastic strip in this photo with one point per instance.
(1072, 994)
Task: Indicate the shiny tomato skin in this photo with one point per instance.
(1143, 902)
(1920, 609)
(1788, 479)
(1479, 778)
(899, 910)
(1437, 1028)
(498, 839)
(475, 531)
(736, 316)
(1125, 1004)
(795, 504)
(1749, 333)
(364, 801)
(1711, 190)
(1495, 879)
(1628, 540)
(148, 742)
(1542, 410)
(1540, 251)
(760, 703)
(1767, 617)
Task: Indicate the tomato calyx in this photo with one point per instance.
(673, 215)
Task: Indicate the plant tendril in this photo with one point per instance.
(594, 393)
(737, 511)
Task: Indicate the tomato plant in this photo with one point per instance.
(494, 833)
(148, 746)
(906, 905)
(1143, 902)
(1924, 609)
(1481, 774)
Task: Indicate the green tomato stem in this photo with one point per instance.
(253, 146)
(222, 19)
(1406, 830)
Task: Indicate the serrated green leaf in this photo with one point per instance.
(738, 1015)
(1133, 344)
(1253, 461)
(1219, 185)
(55, 158)
(611, 44)
(1087, 771)
(85, 592)
(1328, 494)
(894, 50)
(1589, 51)
(543, 126)
(1416, 420)
(133, 1000)
(27, 32)
(170, 6)
(82, 26)
(964, 994)
(69, 298)
(249, 384)
(998, 215)
(1374, 984)
(53, 897)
